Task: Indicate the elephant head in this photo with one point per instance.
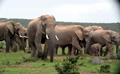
(48, 24)
(21, 39)
(112, 36)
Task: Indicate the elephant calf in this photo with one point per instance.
(95, 49)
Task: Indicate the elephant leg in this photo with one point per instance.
(33, 51)
(46, 50)
(55, 53)
(38, 45)
(109, 47)
(63, 51)
(76, 45)
(7, 45)
(33, 48)
(14, 45)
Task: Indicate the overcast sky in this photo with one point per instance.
(64, 10)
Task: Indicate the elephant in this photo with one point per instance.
(38, 29)
(93, 28)
(69, 35)
(95, 49)
(82, 43)
(8, 31)
(21, 41)
(103, 37)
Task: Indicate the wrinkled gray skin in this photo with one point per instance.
(37, 28)
(8, 31)
(95, 49)
(83, 43)
(70, 35)
(103, 37)
(92, 28)
(21, 41)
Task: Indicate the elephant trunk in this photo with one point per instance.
(87, 48)
(51, 45)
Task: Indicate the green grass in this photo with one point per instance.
(14, 63)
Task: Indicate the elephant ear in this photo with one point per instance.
(10, 27)
(106, 36)
(79, 32)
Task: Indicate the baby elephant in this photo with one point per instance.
(95, 49)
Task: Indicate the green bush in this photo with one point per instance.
(69, 66)
(105, 69)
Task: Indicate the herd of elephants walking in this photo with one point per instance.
(43, 30)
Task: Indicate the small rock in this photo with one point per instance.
(96, 61)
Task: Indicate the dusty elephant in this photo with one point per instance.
(95, 49)
(83, 43)
(70, 35)
(21, 40)
(8, 31)
(103, 37)
(39, 28)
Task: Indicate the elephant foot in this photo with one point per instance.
(39, 55)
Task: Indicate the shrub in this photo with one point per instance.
(105, 69)
(118, 56)
(69, 66)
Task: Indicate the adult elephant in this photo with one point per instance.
(69, 35)
(38, 29)
(8, 31)
(21, 40)
(103, 37)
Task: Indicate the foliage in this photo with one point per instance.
(105, 69)
(69, 66)
(2, 43)
(118, 56)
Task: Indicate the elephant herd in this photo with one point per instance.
(43, 30)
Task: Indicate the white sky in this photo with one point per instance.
(99, 11)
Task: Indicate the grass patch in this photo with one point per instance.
(21, 63)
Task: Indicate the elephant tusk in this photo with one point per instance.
(47, 36)
(25, 37)
(21, 36)
(56, 37)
